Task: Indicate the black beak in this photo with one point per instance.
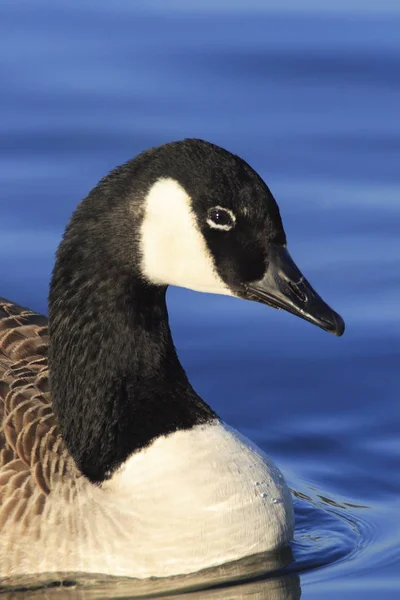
(284, 287)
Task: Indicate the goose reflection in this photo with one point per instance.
(263, 576)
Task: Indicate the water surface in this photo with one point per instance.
(311, 100)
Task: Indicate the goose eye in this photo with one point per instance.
(221, 218)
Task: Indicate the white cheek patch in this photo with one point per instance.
(173, 249)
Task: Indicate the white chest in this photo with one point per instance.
(191, 500)
(198, 498)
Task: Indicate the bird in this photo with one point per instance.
(110, 462)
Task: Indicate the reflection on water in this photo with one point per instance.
(279, 588)
(251, 578)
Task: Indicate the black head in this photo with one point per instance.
(210, 223)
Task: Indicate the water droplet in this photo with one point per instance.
(258, 483)
(276, 501)
(264, 495)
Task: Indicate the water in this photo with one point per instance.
(311, 100)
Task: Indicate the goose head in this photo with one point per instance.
(210, 223)
(188, 214)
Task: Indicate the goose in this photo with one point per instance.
(110, 462)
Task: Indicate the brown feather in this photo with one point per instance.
(33, 456)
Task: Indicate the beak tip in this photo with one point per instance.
(338, 325)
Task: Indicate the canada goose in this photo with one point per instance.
(122, 468)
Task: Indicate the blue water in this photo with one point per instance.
(312, 100)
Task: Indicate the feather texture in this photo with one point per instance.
(33, 456)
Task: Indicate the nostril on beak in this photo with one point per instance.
(297, 292)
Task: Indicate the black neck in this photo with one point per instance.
(117, 382)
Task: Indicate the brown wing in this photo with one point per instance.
(33, 456)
